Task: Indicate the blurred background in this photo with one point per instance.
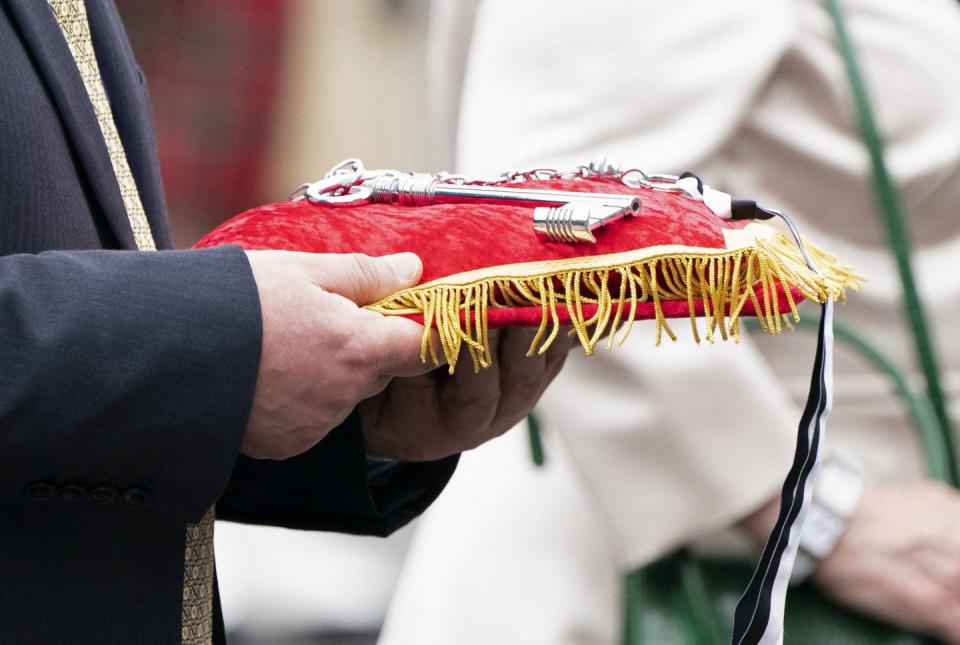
(249, 103)
(242, 98)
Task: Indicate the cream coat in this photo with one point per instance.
(653, 448)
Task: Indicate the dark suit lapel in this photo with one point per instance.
(42, 36)
(131, 112)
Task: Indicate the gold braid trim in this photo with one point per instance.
(723, 279)
(196, 621)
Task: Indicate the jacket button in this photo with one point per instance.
(102, 495)
(134, 498)
(40, 490)
(71, 492)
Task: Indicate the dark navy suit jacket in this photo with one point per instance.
(125, 377)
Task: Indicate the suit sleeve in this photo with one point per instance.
(125, 375)
(328, 488)
(135, 372)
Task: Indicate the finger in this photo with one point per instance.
(404, 422)
(946, 537)
(469, 399)
(925, 604)
(374, 387)
(557, 353)
(522, 378)
(941, 614)
(897, 592)
(942, 567)
(396, 344)
(364, 279)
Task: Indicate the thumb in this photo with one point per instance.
(364, 279)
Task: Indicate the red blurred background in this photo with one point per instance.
(212, 75)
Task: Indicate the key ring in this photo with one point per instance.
(334, 191)
(343, 185)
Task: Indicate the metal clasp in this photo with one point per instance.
(576, 222)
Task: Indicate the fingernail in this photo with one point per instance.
(406, 266)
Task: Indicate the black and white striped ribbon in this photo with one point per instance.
(758, 619)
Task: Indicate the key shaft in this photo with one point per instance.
(414, 190)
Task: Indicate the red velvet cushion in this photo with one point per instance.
(452, 239)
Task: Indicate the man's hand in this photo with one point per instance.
(899, 558)
(435, 415)
(322, 353)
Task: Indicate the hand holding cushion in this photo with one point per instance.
(323, 354)
(437, 414)
(338, 328)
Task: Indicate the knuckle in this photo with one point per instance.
(952, 575)
(555, 364)
(504, 425)
(474, 418)
(364, 268)
(472, 399)
(939, 602)
(522, 394)
(526, 389)
(930, 535)
(295, 444)
(340, 403)
(916, 543)
(470, 431)
(363, 351)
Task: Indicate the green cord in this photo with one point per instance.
(700, 606)
(892, 215)
(918, 405)
(633, 600)
(704, 626)
(536, 440)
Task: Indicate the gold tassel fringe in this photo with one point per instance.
(723, 279)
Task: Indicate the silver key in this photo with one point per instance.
(563, 216)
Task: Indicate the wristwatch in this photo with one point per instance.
(836, 496)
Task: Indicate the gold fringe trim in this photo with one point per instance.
(723, 279)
